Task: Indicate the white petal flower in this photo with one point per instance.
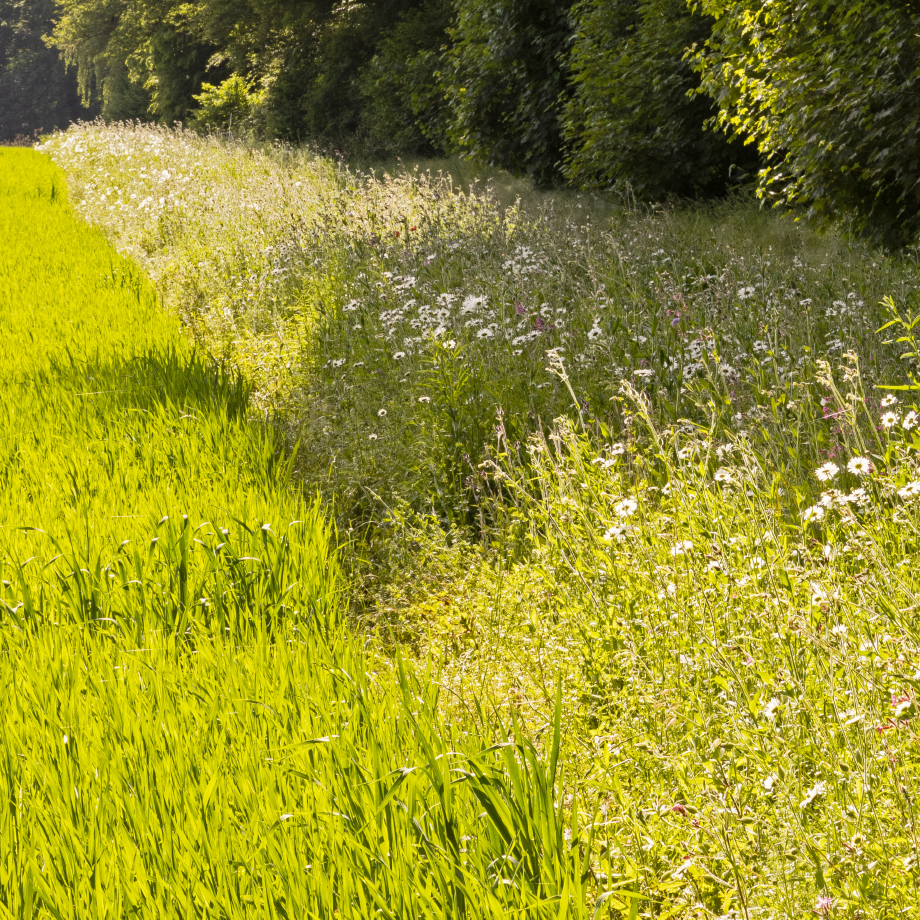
(826, 472)
(860, 466)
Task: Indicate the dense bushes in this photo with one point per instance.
(36, 91)
(829, 93)
(507, 83)
(633, 119)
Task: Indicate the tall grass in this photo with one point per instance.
(188, 729)
(646, 461)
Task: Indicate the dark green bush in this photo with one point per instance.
(829, 93)
(632, 120)
(405, 109)
(506, 81)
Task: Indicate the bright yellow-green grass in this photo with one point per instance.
(648, 461)
(187, 731)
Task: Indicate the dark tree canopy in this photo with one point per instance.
(37, 93)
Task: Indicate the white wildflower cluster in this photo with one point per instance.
(524, 262)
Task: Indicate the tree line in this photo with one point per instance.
(812, 101)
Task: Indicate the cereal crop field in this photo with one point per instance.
(411, 543)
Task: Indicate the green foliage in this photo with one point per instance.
(37, 93)
(233, 104)
(136, 59)
(189, 729)
(632, 120)
(827, 92)
(506, 81)
(405, 112)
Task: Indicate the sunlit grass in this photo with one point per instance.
(645, 459)
(189, 729)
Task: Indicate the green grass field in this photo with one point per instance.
(606, 600)
(188, 730)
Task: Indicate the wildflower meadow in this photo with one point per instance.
(444, 547)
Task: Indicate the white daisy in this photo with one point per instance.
(910, 420)
(911, 490)
(827, 472)
(381, 413)
(626, 508)
(860, 466)
(889, 419)
(889, 400)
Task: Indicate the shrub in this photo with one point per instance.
(828, 94)
(405, 110)
(632, 119)
(506, 81)
(235, 103)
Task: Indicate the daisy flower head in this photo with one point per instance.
(827, 472)
(372, 437)
(889, 419)
(644, 373)
(398, 355)
(686, 453)
(860, 466)
(424, 399)
(626, 508)
(814, 513)
(911, 490)
(471, 304)
(910, 420)
(617, 450)
(485, 333)
(830, 498)
(616, 534)
(889, 400)
(450, 344)
(682, 547)
(724, 475)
